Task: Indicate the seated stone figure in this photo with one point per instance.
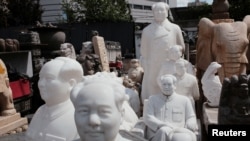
(169, 116)
(88, 59)
(55, 119)
(99, 109)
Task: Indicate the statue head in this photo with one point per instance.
(87, 48)
(167, 84)
(98, 109)
(180, 66)
(160, 11)
(57, 78)
(175, 52)
(134, 63)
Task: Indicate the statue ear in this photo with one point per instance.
(204, 42)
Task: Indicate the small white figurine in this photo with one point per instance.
(67, 50)
(211, 84)
(55, 119)
(99, 109)
(169, 116)
(135, 71)
(187, 84)
(157, 37)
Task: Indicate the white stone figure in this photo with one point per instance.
(135, 71)
(211, 84)
(170, 116)
(87, 48)
(187, 84)
(131, 105)
(67, 50)
(99, 109)
(55, 119)
(175, 54)
(157, 37)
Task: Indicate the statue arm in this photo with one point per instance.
(191, 121)
(180, 39)
(196, 93)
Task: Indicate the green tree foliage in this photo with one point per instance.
(74, 10)
(24, 12)
(107, 10)
(239, 9)
(97, 11)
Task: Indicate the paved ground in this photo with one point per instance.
(20, 137)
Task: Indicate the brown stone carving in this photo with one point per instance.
(6, 101)
(9, 45)
(234, 105)
(220, 9)
(225, 43)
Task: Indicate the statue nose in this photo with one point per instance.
(94, 120)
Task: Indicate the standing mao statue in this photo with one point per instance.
(169, 116)
(55, 119)
(157, 37)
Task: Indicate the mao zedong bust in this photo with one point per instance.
(98, 109)
(55, 119)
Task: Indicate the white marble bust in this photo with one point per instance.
(55, 119)
(99, 109)
(211, 84)
(169, 116)
(156, 39)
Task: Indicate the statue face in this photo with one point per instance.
(65, 50)
(97, 117)
(160, 12)
(167, 86)
(52, 88)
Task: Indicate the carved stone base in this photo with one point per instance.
(12, 124)
(210, 115)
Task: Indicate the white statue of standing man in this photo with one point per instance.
(169, 116)
(55, 119)
(157, 37)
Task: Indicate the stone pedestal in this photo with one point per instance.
(12, 124)
(210, 115)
